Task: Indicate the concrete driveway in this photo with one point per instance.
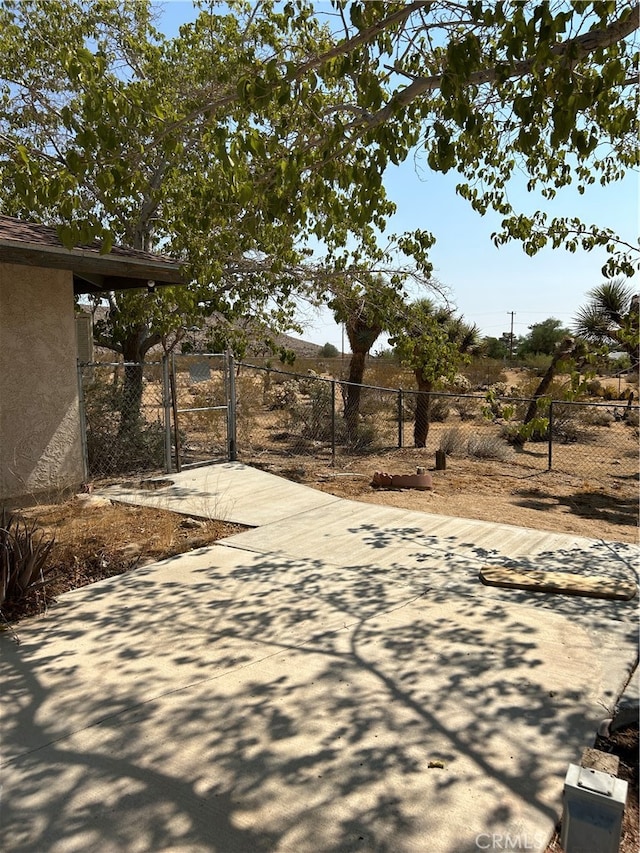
(334, 680)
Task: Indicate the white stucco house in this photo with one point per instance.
(40, 441)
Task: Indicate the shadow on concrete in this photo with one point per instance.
(231, 701)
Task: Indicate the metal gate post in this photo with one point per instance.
(400, 418)
(333, 422)
(231, 408)
(174, 405)
(550, 434)
(166, 399)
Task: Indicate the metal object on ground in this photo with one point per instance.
(593, 806)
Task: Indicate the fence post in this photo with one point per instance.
(174, 405)
(333, 422)
(400, 418)
(550, 434)
(83, 425)
(231, 409)
(166, 399)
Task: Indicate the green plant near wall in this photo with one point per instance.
(24, 548)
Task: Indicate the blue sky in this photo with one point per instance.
(485, 282)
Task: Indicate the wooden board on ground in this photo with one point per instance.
(591, 586)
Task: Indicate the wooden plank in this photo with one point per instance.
(591, 586)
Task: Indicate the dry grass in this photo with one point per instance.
(96, 540)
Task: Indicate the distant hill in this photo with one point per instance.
(196, 339)
(302, 349)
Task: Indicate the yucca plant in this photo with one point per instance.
(24, 548)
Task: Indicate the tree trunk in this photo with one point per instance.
(132, 352)
(352, 402)
(423, 411)
(362, 336)
(563, 350)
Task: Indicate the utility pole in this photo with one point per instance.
(513, 314)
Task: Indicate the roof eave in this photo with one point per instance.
(131, 272)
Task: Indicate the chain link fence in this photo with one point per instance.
(200, 394)
(125, 416)
(156, 416)
(285, 418)
(179, 412)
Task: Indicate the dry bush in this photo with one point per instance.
(467, 407)
(440, 408)
(452, 442)
(387, 374)
(483, 372)
(596, 416)
(633, 419)
(488, 447)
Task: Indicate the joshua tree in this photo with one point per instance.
(612, 318)
(433, 341)
(364, 307)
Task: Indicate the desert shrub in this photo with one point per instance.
(440, 408)
(633, 418)
(452, 442)
(24, 548)
(113, 452)
(467, 407)
(528, 384)
(284, 395)
(248, 409)
(483, 372)
(488, 447)
(308, 406)
(497, 407)
(537, 363)
(594, 388)
(387, 373)
(458, 385)
(567, 430)
(119, 437)
(595, 416)
(366, 435)
(328, 351)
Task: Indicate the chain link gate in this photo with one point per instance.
(157, 416)
(202, 391)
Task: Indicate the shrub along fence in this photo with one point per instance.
(193, 409)
(286, 417)
(159, 416)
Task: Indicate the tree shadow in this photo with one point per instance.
(598, 506)
(238, 701)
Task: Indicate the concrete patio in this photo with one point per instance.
(335, 679)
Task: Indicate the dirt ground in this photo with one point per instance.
(600, 507)
(95, 539)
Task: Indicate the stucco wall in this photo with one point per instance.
(40, 446)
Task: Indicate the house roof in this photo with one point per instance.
(120, 269)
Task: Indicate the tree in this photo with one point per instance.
(328, 351)
(493, 347)
(365, 306)
(433, 342)
(487, 88)
(611, 318)
(542, 338)
(260, 127)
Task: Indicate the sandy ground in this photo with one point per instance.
(599, 508)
